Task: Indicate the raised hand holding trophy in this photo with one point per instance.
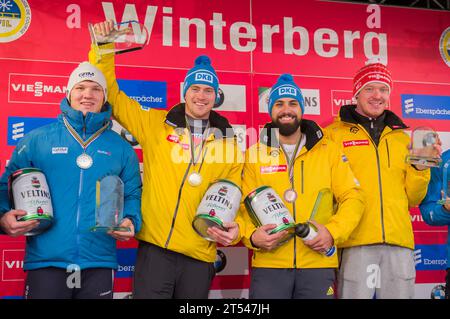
(445, 191)
(422, 150)
(118, 38)
(109, 199)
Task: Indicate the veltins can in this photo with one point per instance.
(266, 207)
(219, 204)
(28, 191)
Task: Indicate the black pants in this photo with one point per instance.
(447, 284)
(165, 274)
(58, 283)
(287, 283)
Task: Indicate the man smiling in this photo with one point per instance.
(185, 149)
(295, 159)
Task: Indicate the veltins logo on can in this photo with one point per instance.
(203, 76)
(35, 182)
(15, 19)
(444, 46)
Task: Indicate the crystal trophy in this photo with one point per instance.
(422, 151)
(126, 37)
(109, 198)
(324, 206)
(445, 184)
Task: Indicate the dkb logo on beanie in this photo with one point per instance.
(203, 76)
(201, 73)
(285, 87)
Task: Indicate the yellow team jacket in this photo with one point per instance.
(319, 164)
(391, 185)
(169, 202)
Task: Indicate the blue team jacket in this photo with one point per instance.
(52, 149)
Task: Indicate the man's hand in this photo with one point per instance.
(323, 241)
(124, 235)
(261, 238)
(15, 228)
(436, 151)
(104, 28)
(224, 237)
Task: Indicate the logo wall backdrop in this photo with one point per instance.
(41, 42)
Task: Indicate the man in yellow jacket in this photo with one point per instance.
(295, 159)
(185, 149)
(378, 256)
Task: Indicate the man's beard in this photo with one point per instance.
(287, 129)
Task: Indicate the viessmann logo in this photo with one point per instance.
(36, 89)
(12, 265)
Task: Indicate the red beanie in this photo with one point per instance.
(372, 72)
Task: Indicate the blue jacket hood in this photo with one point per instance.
(92, 121)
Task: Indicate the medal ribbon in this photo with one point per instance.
(291, 160)
(77, 137)
(194, 157)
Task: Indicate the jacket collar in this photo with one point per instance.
(312, 131)
(176, 117)
(92, 122)
(346, 114)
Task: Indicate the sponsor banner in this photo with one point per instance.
(419, 224)
(149, 94)
(340, 98)
(430, 257)
(123, 285)
(126, 259)
(36, 88)
(424, 291)
(12, 265)
(232, 261)
(19, 126)
(228, 294)
(422, 106)
(230, 282)
(311, 97)
(430, 276)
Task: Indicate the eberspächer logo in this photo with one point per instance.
(433, 107)
(15, 18)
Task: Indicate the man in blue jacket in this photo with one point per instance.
(436, 214)
(74, 153)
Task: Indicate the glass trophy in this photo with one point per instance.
(445, 184)
(422, 151)
(109, 198)
(324, 206)
(126, 37)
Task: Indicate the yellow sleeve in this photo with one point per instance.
(126, 111)
(416, 184)
(349, 196)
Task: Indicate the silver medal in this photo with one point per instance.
(194, 179)
(290, 195)
(84, 161)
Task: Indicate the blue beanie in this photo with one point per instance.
(201, 73)
(285, 87)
